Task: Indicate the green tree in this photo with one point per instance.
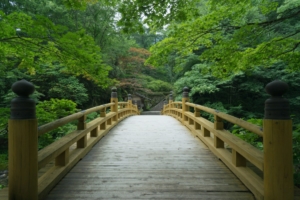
(235, 36)
(28, 43)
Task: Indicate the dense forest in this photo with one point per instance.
(74, 51)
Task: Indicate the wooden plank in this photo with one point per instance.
(50, 152)
(164, 163)
(151, 194)
(47, 181)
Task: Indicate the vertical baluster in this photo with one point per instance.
(218, 124)
(63, 158)
(238, 160)
(81, 143)
(197, 114)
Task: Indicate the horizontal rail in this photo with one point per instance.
(237, 121)
(68, 150)
(237, 153)
(53, 150)
(60, 122)
(268, 174)
(34, 173)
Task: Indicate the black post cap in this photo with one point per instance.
(277, 107)
(171, 96)
(114, 92)
(185, 93)
(129, 97)
(22, 107)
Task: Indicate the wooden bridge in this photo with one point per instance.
(150, 157)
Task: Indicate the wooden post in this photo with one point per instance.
(95, 132)
(238, 160)
(133, 105)
(23, 144)
(165, 110)
(63, 158)
(185, 98)
(114, 99)
(170, 102)
(278, 154)
(103, 114)
(82, 143)
(130, 103)
(197, 114)
(218, 125)
(205, 132)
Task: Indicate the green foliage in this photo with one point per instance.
(71, 89)
(157, 13)
(92, 116)
(235, 36)
(48, 111)
(197, 82)
(3, 162)
(57, 108)
(248, 136)
(28, 43)
(5, 114)
(217, 106)
(159, 86)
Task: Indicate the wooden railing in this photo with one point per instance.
(24, 159)
(275, 163)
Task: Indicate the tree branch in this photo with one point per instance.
(290, 50)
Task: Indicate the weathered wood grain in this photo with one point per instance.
(150, 157)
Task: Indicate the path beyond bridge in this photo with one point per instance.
(150, 157)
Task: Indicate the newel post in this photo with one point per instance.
(130, 103)
(114, 99)
(171, 98)
(185, 98)
(23, 144)
(278, 153)
(170, 102)
(129, 100)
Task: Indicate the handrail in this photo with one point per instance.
(62, 121)
(237, 121)
(58, 158)
(275, 162)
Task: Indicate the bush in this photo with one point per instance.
(48, 111)
(3, 161)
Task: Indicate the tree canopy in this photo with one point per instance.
(231, 36)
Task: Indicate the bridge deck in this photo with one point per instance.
(132, 162)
